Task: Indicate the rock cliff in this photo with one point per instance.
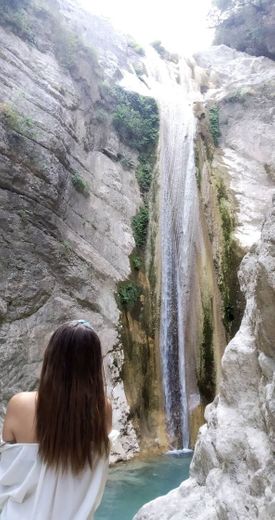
(233, 470)
(61, 170)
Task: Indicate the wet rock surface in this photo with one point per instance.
(233, 469)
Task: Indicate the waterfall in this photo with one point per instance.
(171, 85)
(179, 231)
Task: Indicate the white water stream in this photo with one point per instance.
(179, 214)
(171, 86)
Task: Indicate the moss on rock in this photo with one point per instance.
(206, 376)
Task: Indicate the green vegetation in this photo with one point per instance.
(135, 261)
(126, 162)
(14, 14)
(159, 48)
(144, 174)
(197, 166)
(135, 46)
(140, 226)
(139, 69)
(164, 53)
(25, 215)
(246, 25)
(214, 124)
(80, 184)
(136, 120)
(236, 97)
(206, 375)
(128, 294)
(15, 120)
(13, 4)
(67, 248)
(30, 24)
(227, 220)
(270, 171)
(68, 46)
(101, 115)
(228, 278)
(137, 123)
(223, 4)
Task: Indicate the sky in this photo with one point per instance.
(180, 24)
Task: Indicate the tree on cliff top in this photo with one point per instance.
(246, 25)
(13, 4)
(227, 9)
(225, 5)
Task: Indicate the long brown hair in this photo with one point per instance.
(71, 421)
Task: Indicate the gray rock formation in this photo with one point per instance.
(242, 87)
(66, 208)
(233, 468)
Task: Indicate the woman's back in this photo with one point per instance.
(54, 458)
(36, 492)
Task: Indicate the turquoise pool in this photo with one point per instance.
(132, 484)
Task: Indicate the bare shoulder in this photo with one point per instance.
(18, 422)
(22, 398)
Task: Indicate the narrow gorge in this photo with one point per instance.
(136, 192)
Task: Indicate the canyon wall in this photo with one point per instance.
(71, 183)
(67, 198)
(80, 192)
(232, 471)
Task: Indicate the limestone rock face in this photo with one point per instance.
(233, 468)
(242, 88)
(66, 209)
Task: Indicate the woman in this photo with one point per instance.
(54, 459)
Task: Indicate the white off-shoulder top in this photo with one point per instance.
(29, 490)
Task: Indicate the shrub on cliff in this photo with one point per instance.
(214, 124)
(159, 47)
(128, 294)
(13, 4)
(144, 175)
(80, 184)
(16, 121)
(206, 377)
(136, 120)
(164, 53)
(39, 22)
(140, 226)
(246, 25)
(15, 16)
(135, 46)
(68, 47)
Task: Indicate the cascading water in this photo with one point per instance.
(171, 86)
(179, 230)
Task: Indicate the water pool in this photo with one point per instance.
(132, 484)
